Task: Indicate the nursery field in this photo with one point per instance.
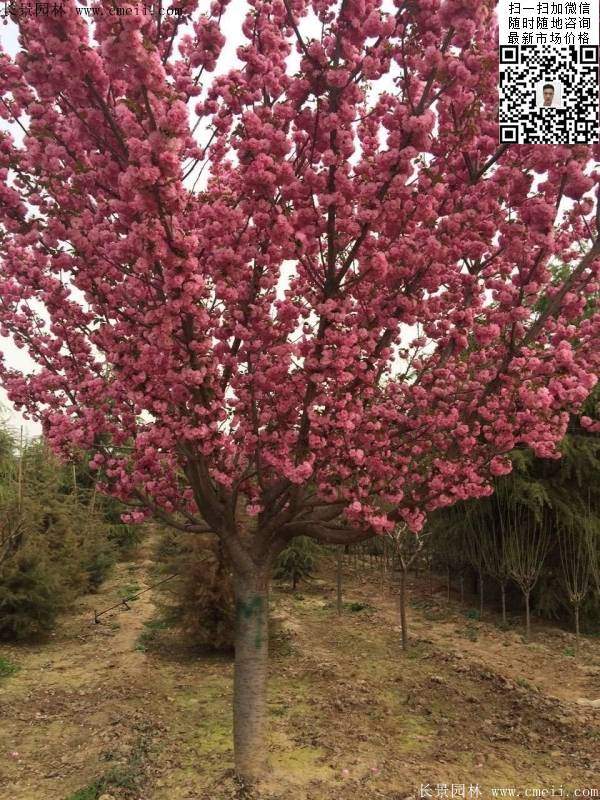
(300, 354)
(123, 711)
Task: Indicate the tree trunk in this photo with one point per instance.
(448, 581)
(577, 630)
(480, 595)
(402, 601)
(250, 674)
(503, 593)
(339, 581)
(462, 589)
(527, 617)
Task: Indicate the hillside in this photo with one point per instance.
(122, 710)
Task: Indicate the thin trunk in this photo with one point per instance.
(503, 594)
(250, 674)
(339, 581)
(448, 581)
(480, 594)
(402, 601)
(20, 475)
(527, 618)
(462, 589)
(577, 630)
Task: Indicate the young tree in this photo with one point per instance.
(338, 580)
(406, 547)
(527, 542)
(297, 562)
(577, 546)
(490, 529)
(52, 545)
(298, 298)
(474, 549)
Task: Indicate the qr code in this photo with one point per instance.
(549, 95)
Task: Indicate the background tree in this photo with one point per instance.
(487, 540)
(406, 548)
(473, 545)
(494, 550)
(527, 544)
(297, 561)
(578, 548)
(53, 544)
(313, 310)
(200, 599)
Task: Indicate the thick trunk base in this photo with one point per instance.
(250, 676)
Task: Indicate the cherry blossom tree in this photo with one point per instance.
(309, 294)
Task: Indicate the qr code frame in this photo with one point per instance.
(522, 120)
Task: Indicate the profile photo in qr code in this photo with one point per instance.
(549, 94)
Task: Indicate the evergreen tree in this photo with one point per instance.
(297, 561)
(56, 538)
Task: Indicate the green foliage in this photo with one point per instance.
(148, 636)
(355, 607)
(30, 597)
(7, 667)
(98, 566)
(57, 537)
(297, 562)
(201, 597)
(91, 792)
(560, 495)
(127, 777)
(125, 538)
(130, 590)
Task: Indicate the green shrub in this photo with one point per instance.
(202, 601)
(355, 607)
(7, 668)
(55, 538)
(125, 538)
(97, 567)
(30, 597)
(297, 562)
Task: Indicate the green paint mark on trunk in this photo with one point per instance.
(247, 609)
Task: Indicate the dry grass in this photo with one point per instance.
(352, 716)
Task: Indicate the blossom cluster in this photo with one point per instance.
(361, 299)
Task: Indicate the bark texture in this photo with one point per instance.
(250, 674)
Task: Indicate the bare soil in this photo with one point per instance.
(124, 711)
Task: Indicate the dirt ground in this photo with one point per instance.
(123, 711)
